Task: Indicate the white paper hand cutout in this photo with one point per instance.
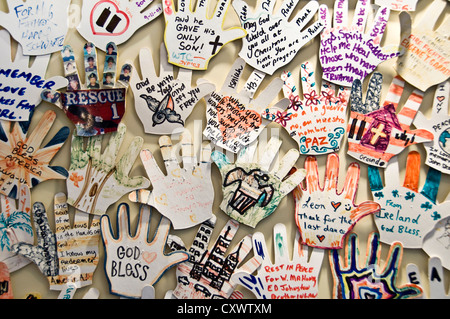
(435, 277)
(398, 5)
(272, 41)
(162, 102)
(192, 38)
(286, 278)
(185, 195)
(104, 21)
(40, 26)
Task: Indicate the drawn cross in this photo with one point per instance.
(215, 44)
(377, 133)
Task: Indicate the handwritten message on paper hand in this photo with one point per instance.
(97, 180)
(435, 277)
(193, 38)
(398, 5)
(252, 192)
(407, 215)
(233, 119)
(191, 184)
(23, 159)
(427, 57)
(162, 102)
(346, 52)
(207, 273)
(324, 216)
(272, 41)
(438, 150)
(296, 278)
(21, 84)
(40, 26)
(371, 281)
(318, 122)
(377, 134)
(97, 106)
(15, 227)
(68, 255)
(103, 21)
(133, 262)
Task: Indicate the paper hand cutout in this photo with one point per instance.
(295, 278)
(371, 281)
(398, 5)
(15, 227)
(324, 216)
(185, 195)
(68, 255)
(22, 159)
(132, 262)
(163, 103)
(435, 277)
(97, 106)
(5, 280)
(438, 150)
(233, 119)
(207, 273)
(252, 192)
(318, 122)
(21, 83)
(272, 41)
(425, 62)
(98, 180)
(406, 215)
(377, 134)
(437, 242)
(103, 21)
(39, 26)
(192, 38)
(346, 52)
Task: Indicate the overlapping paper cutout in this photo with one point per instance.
(435, 278)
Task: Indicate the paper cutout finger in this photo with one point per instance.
(5, 282)
(22, 84)
(233, 119)
(23, 159)
(272, 41)
(97, 106)
(251, 189)
(191, 184)
(15, 227)
(438, 150)
(318, 122)
(407, 215)
(103, 21)
(346, 52)
(286, 278)
(398, 5)
(435, 277)
(207, 273)
(69, 291)
(427, 50)
(377, 134)
(162, 102)
(39, 26)
(133, 262)
(193, 38)
(68, 255)
(323, 215)
(97, 180)
(437, 242)
(370, 280)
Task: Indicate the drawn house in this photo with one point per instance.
(382, 122)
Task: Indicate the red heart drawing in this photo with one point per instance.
(336, 205)
(441, 98)
(234, 119)
(321, 238)
(117, 12)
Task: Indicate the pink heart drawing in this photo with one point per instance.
(118, 13)
(441, 98)
(149, 257)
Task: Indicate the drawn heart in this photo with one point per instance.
(234, 119)
(441, 98)
(321, 238)
(161, 199)
(103, 7)
(149, 257)
(336, 205)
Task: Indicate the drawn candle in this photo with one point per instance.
(103, 17)
(113, 23)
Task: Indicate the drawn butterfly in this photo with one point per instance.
(164, 110)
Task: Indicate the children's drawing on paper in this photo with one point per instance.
(437, 289)
(437, 241)
(398, 5)
(5, 282)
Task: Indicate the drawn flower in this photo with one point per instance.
(282, 117)
(75, 178)
(295, 102)
(311, 98)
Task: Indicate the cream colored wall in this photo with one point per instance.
(29, 279)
